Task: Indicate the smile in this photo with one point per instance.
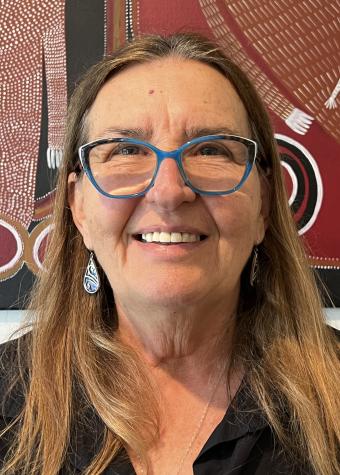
(167, 238)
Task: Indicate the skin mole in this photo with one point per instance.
(151, 91)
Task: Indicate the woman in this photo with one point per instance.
(178, 329)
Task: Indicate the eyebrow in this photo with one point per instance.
(195, 132)
(139, 133)
(189, 134)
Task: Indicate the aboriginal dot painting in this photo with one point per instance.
(289, 49)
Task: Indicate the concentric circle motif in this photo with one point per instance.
(38, 242)
(303, 181)
(12, 238)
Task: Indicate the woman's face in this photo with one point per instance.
(167, 102)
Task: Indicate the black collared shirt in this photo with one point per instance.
(242, 444)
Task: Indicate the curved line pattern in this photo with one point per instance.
(315, 195)
(37, 244)
(292, 175)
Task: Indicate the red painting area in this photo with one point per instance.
(9, 246)
(294, 69)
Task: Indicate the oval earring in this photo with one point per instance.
(91, 280)
(254, 272)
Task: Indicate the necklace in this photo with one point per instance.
(196, 432)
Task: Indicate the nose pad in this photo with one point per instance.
(169, 188)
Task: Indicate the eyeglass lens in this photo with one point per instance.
(124, 168)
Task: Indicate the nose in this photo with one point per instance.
(169, 190)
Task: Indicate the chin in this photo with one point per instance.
(171, 292)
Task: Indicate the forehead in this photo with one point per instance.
(171, 94)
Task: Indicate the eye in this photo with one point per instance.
(210, 150)
(127, 150)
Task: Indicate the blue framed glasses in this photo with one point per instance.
(209, 165)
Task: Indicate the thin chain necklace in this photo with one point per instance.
(197, 431)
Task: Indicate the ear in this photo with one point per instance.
(76, 203)
(265, 208)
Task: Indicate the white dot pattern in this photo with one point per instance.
(32, 34)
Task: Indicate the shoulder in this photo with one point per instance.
(12, 392)
(13, 366)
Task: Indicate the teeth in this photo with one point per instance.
(176, 237)
(155, 236)
(165, 238)
(186, 237)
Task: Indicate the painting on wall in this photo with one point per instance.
(289, 49)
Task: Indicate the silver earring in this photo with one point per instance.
(254, 277)
(91, 280)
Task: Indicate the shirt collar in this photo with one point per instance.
(242, 417)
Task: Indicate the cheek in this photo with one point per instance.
(106, 219)
(237, 218)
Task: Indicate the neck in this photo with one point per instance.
(179, 339)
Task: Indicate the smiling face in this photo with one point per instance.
(168, 102)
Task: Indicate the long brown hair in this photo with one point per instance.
(75, 360)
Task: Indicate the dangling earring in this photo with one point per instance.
(91, 280)
(254, 268)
